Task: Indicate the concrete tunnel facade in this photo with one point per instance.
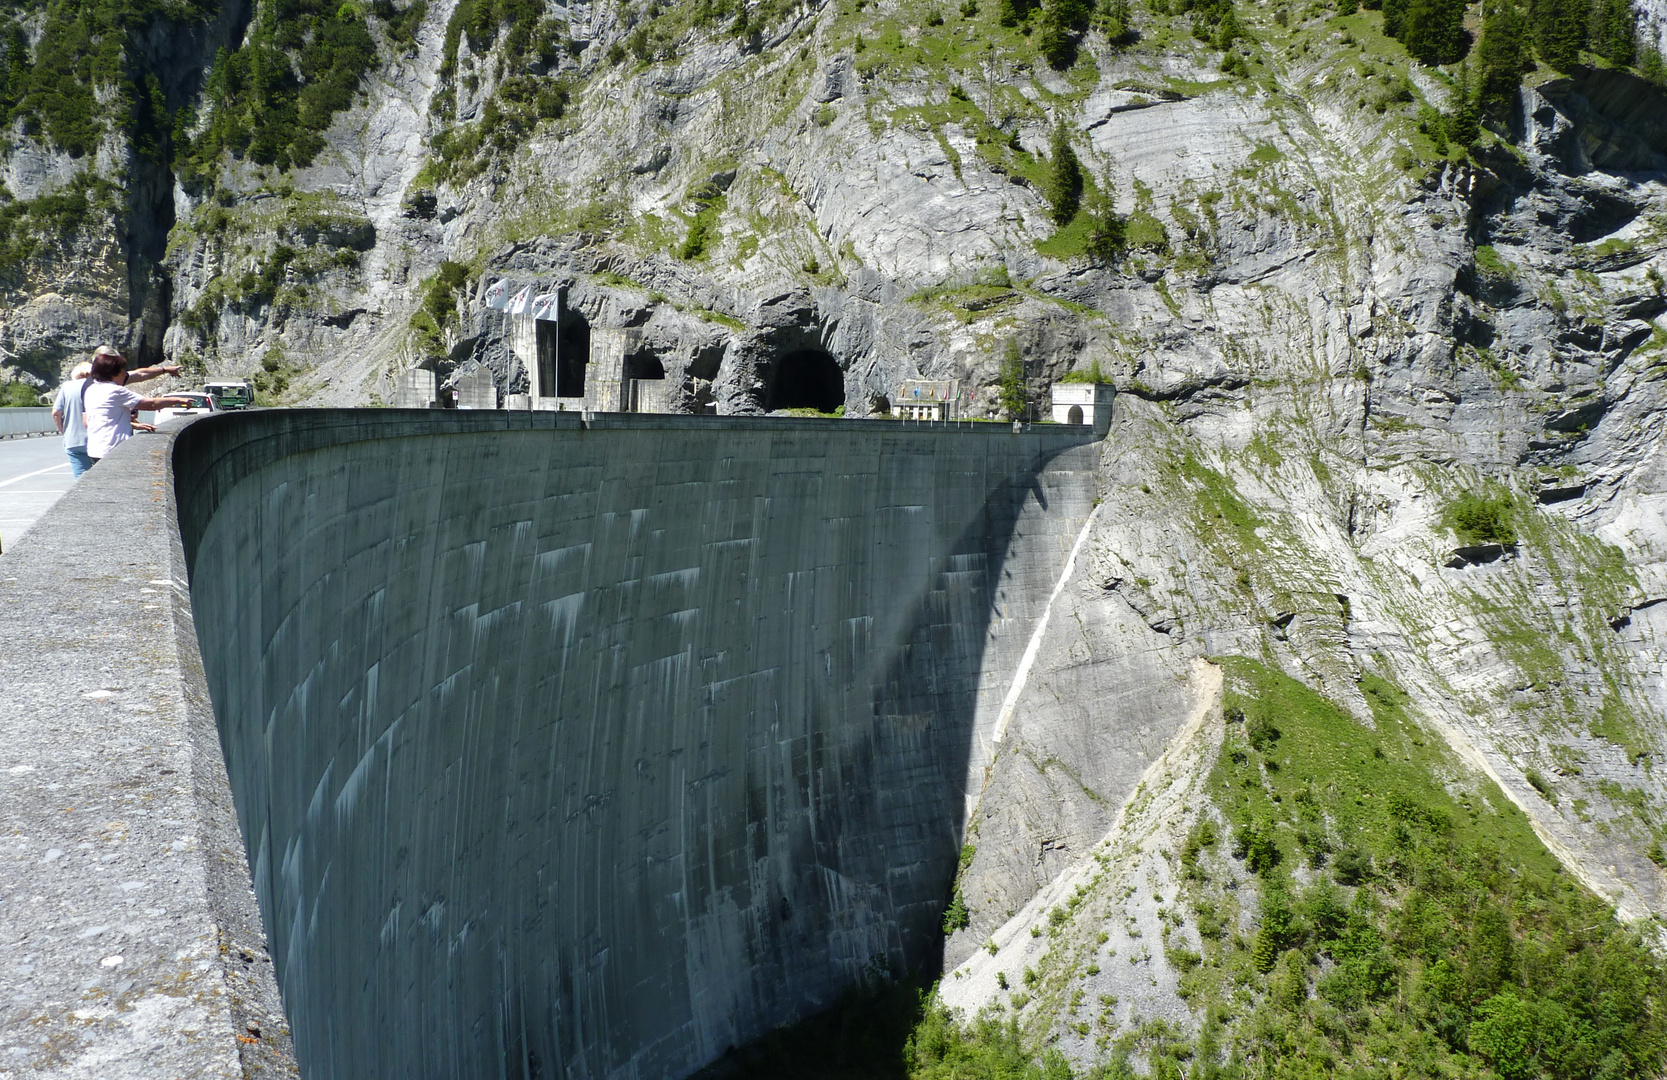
(595, 748)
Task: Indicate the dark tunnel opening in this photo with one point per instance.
(644, 365)
(807, 379)
(572, 354)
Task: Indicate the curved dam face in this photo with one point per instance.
(593, 750)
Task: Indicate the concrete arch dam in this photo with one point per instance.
(595, 749)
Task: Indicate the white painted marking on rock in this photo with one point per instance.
(111, 961)
(1022, 675)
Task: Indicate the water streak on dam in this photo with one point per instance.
(592, 750)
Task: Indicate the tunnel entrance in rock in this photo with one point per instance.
(645, 379)
(644, 365)
(572, 354)
(544, 343)
(807, 379)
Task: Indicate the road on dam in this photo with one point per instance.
(548, 746)
(33, 474)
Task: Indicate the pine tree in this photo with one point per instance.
(1108, 234)
(1394, 15)
(1054, 40)
(1559, 30)
(1056, 36)
(1227, 29)
(1614, 31)
(1062, 186)
(1433, 31)
(1462, 122)
(1012, 394)
(1502, 57)
(1651, 66)
(1115, 21)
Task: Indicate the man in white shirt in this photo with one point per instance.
(66, 407)
(107, 405)
(66, 415)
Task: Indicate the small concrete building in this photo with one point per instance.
(414, 390)
(929, 399)
(477, 390)
(1084, 403)
(621, 376)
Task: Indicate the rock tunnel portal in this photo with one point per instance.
(807, 379)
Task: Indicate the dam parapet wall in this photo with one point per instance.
(594, 748)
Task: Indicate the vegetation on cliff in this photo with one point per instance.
(1405, 910)
(1350, 897)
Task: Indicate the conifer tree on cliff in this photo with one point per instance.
(1062, 186)
(1501, 57)
(1433, 31)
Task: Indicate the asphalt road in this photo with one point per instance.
(33, 473)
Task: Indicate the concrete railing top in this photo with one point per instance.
(132, 943)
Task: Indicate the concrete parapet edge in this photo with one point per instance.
(130, 941)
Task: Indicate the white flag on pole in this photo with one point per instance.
(522, 302)
(497, 295)
(544, 306)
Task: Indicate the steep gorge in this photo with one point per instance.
(1389, 412)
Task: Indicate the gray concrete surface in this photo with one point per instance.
(130, 944)
(587, 751)
(33, 474)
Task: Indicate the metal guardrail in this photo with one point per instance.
(37, 421)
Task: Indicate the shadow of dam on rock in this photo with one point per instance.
(595, 749)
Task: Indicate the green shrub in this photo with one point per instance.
(956, 917)
(1144, 232)
(1261, 732)
(20, 394)
(438, 310)
(1254, 843)
(709, 201)
(1489, 262)
(1479, 519)
(1092, 375)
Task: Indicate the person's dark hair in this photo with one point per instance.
(106, 366)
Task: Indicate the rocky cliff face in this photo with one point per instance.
(1389, 409)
